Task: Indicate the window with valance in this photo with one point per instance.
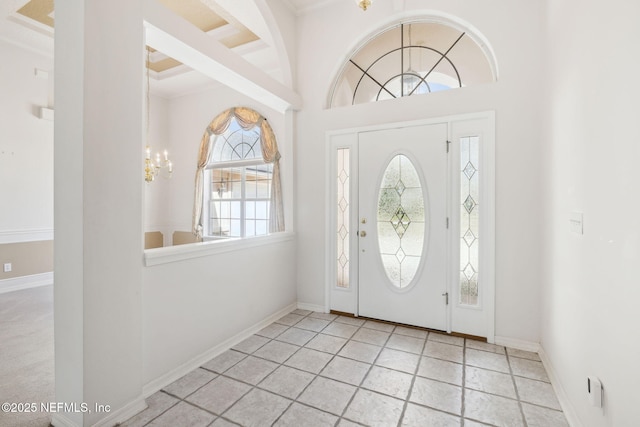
(238, 191)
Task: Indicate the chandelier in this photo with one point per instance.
(364, 4)
(152, 166)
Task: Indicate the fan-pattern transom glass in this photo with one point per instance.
(401, 221)
(411, 59)
(469, 219)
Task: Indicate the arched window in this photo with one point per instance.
(412, 58)
(238, 192)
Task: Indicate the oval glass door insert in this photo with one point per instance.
(401, 221)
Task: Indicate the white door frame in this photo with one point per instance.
(346, 299)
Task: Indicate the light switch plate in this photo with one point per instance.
(7, 267)
(576, 222)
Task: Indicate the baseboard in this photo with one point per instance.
(517, 344)
(311, 307)
(59, 420)
(123, 414)
(563, 397)
(201, 359)
(26, 282)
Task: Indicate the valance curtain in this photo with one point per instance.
(247, 119)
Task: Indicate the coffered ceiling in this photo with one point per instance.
(31, 23)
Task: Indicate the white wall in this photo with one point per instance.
(156, 203)
(98, 207)
(190, 307)
(514, 33)
(590, 299)
(26, 143)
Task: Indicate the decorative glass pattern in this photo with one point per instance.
(401, 221)
(469, 219)
(342, 224)
(412, 59)
(237, 144)
(240, 199)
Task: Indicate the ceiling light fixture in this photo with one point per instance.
(364, 4)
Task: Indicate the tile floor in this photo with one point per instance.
(316, 369)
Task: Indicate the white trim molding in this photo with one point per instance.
(123, 414)
(196, 362)
(26, 282)
(563, 397)
(59, 420)
(517, 344)
(21, 236)
(196, 250)
(312, 307)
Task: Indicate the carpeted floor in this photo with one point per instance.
(26, 354)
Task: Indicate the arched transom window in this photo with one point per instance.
(412, 58)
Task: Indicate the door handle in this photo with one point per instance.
(363, 233)
(446, 295)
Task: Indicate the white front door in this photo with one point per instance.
(403, 236)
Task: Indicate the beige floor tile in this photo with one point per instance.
(157, 403)
(437, 395)
(252, 370)
(251, 344)
(309, 360)
(272, 331)
(296, 336)
(419, 416)
(287, 382)
(312, 324)
(224, 361)
(290, 319)
(543, 417)
(492, 409)
(438, 350)
(486, 360)
(189, 383)
(330, 370)
(374, 409)
(389, 382)
(371, 336)
(405, 343)
(537, 392)
(523, 354)
(528, 369)
(219, 394)
(328, 395)
(276, 351)
(489, 381)
(183, 414)
(340, 330)
(326, 343)
(441, 370)
(346, 370)
(360, 351)
(479, 345)
(298, 415)
(257, 408)
(447, 339)
(398, 360)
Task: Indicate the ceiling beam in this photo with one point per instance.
(177, 38)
